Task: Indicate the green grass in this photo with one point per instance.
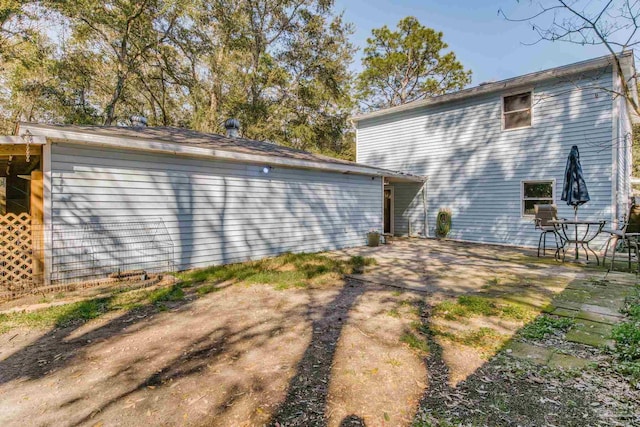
(173, 293)
(483, 338)
(544, 326)
(471, 305)
(283, 272)
(207, 289)
(415, 342)
(59, 316)
(393, 313)
(68, 314)
(627, 338)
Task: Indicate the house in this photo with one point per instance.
(493, 151)
(108, 199)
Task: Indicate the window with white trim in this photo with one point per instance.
(536, 193)
(516, 111)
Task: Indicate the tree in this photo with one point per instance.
(407, 65)
(280, 66)
(612, 24)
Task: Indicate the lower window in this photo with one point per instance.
(536, 193)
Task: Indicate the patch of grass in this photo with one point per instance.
(627, 338)
(483, 338)
(393, 313)
(284, 271)
(517, 311)
(207, 289)
(173, 293)
(415, 342)
(59, 316)
(360, 261)
(545, 325)
(472, 305)
(394, 362)
(68, 314)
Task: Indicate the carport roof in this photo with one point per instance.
(180, 141)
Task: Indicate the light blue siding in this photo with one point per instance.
(476, 169)
(215, 212)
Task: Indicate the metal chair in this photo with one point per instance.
(544, 214)
(628, 233)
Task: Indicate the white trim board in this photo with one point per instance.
(76, 137)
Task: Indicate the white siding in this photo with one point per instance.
(476, 169)
(624, 140)
(408, 209)
(215, 212)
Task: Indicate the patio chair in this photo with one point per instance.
(628, 233)
(544, 214)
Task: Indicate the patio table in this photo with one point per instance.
(583, 233)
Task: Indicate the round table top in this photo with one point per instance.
(577, 222)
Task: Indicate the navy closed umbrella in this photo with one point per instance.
(574, 190)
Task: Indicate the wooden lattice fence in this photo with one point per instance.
(18, 269)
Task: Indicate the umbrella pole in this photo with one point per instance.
(575, 218)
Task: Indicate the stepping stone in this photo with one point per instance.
(593, 327)
(597, 309)
(530, 352)
(601, 318)
(564, 312)
(592, 339)
(566, 361)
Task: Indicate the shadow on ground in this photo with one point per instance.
(253, 355)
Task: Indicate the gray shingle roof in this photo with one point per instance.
(197, 139)
(192, 138)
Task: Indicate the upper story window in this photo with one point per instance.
(516, 111)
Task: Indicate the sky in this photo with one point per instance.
(493, 48)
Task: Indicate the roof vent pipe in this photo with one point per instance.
(138, 121)
(233, 128)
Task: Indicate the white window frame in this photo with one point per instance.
(536, 181)
(502, 112)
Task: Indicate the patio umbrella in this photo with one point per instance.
(574, 190)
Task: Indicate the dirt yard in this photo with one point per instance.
(426, 336)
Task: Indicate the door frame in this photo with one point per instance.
(392, 198)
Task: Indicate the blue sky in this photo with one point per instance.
(483, 41)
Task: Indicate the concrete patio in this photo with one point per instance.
(444, 269)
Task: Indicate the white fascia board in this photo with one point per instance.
(147, 145)
(18, 140)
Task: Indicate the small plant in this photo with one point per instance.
(544, 326)
(443, 223)
(627, 338)
(358, 263)
(373, 238)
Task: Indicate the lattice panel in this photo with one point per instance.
(16, 245)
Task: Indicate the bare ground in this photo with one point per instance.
(354, 352)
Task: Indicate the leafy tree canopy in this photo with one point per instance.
(280, 66)
(406, 65)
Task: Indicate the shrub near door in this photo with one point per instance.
(443, 223)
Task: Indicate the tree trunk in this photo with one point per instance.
(110, 111)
